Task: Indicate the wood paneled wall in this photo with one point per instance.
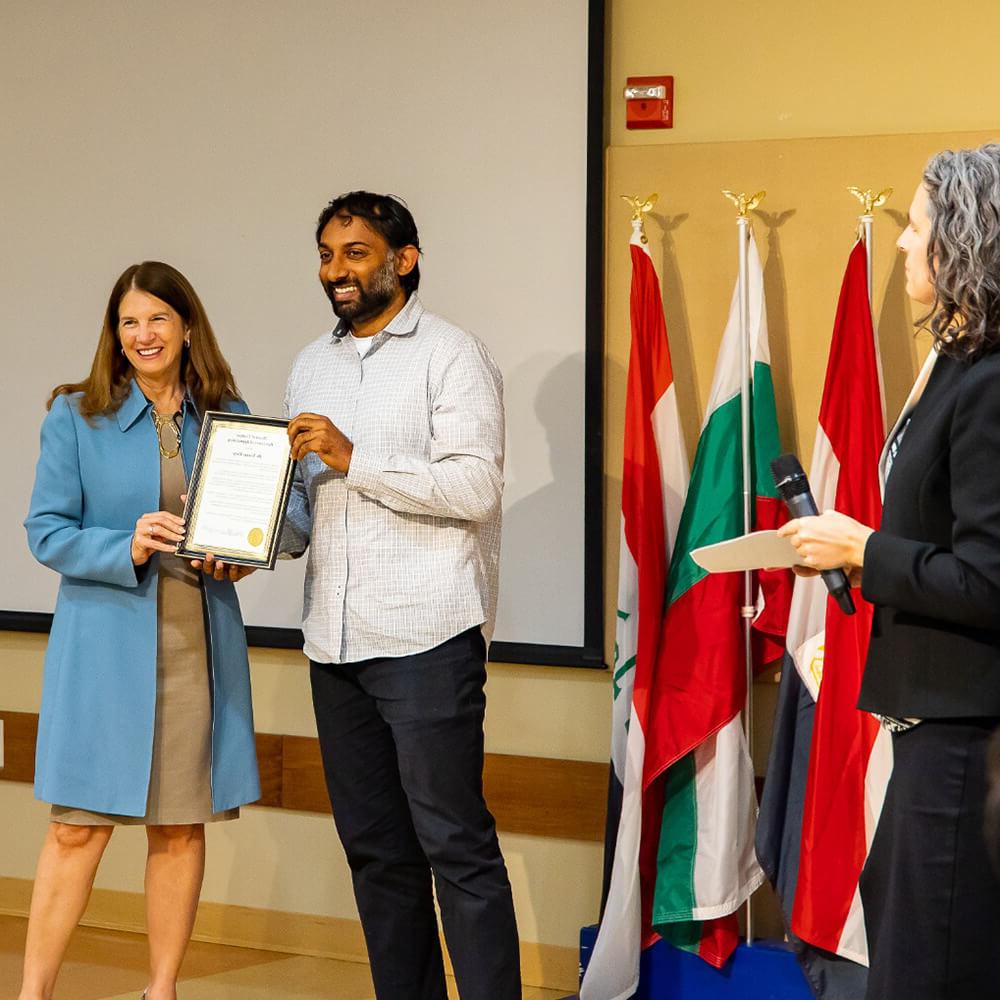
(532, 795)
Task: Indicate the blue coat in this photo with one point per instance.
(95, 731)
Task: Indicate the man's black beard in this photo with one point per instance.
(371, 301)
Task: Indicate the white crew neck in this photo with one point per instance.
(363, 344)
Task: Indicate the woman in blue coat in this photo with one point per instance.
(146, 715)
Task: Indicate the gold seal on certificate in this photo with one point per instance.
(239, 488)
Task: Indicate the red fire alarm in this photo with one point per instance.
(649, 102)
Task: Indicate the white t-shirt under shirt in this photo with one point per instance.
(363, 344)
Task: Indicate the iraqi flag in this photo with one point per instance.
(698, 854)
(830, 762)
(654, 481)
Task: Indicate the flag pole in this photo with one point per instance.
(745, 204)
(866, 234)
(869, 202)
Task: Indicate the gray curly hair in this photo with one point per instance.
(964, 250)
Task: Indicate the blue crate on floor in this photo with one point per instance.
(767, 971)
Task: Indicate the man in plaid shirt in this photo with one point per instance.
(397, 425)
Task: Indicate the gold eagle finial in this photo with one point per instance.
(869, 199)
(641, 207)
(745, 203)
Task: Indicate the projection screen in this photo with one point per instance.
(211, 136)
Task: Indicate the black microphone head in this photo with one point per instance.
(789, 476)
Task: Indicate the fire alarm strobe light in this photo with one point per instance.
(649, 102)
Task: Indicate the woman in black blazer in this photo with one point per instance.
(932, 570)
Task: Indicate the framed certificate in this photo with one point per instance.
(238, 491)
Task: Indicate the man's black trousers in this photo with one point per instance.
(402, 745)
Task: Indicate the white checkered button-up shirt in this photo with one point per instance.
(403, 551)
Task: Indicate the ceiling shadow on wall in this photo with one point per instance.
(678, 330)
(777, 326)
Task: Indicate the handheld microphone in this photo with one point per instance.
(793, 488)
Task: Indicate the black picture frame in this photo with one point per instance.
(272, 533)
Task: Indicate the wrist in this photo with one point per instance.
(861, 542)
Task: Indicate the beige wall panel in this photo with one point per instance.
(556, 712)
(557, 886)
(24, 824)
(559, 712)
(288, 861)
(21, 656)
(804, 230)
(534, 711)
(280, 861)
(282, 702)
(792, 68)
(267, 859)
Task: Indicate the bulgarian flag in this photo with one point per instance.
(698, 853)
(654, 481)
(830, 762)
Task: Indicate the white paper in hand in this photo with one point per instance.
(758, 550)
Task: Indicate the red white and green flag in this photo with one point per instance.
(699, 851)
(654, 481)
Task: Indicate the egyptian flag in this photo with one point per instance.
(830, 762)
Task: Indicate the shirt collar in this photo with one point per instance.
(403, 323)
(136, 405)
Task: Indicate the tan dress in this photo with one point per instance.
(180, 789)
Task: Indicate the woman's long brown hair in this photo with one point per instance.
(204, 370)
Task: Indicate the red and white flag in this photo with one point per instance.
(654, 482)
(851, 756)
